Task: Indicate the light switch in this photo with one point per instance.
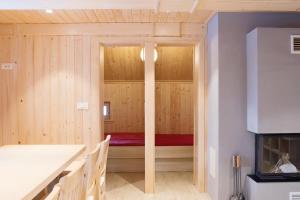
(8, 66)
(82, 105)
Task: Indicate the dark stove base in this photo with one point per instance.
(274, 179)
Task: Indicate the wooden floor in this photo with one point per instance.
(169, 186)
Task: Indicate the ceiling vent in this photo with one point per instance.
(294, 196)
(295, 44)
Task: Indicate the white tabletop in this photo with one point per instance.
(25, 170)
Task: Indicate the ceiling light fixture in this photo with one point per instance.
(142, 55)
(49, 11)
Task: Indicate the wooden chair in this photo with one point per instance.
(101, 170)
(91, 171)
(72, 186)
(54, 194)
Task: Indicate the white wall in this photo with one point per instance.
(273, 82)
(227, 95)
(213, 107)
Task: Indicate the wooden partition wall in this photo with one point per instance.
(59, 65)
(39, 96)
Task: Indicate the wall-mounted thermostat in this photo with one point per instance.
(8, 66)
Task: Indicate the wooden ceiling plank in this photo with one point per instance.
(91, 16)
(7, 17)
(98, 16)
(95, 14)
(25, 15)
(157, 6)
(43, 17)
(194, 6)
(77, 4)
(64, 16)
(77, 16)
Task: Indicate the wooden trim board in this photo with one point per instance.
(167, 158)
(133, 30)
(199, 116)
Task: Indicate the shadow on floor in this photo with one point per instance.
(136, 180)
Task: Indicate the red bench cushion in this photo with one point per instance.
(138, 139)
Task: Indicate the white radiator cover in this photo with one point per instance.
(273, 81)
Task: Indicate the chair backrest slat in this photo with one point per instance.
(72, 185)
(101, 167)
(91, 169)
(102, 160)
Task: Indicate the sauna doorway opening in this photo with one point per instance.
(178, 84)
(124, 108)
(174, 111)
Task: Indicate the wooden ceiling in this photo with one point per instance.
(157, 5)
(131, 11)
(101, 11)
(100, 16)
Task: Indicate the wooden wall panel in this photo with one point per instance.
(174, 107)
(123, 63)
(127, 106)
(53, 73)
(8, 114)
(174, 63)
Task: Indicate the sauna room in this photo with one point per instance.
(124, 108)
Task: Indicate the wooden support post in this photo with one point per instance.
(101, 92)
(149, 118)
(199, 117)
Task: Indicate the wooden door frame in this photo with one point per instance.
(200, 108)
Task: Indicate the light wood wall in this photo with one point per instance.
(174, 63)
(8, 114)
(123, 63)
(38, 98)
(174, 107)
(127, 106)
(173, 101)
(58, 66)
